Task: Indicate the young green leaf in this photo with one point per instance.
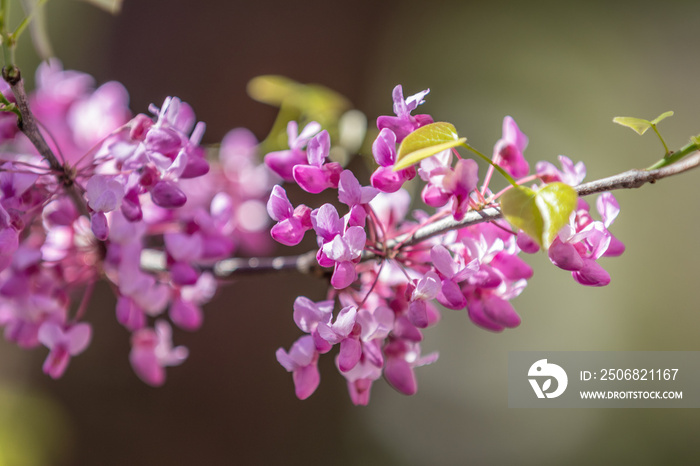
(663, 116)
(637, 124)
(542, 213)
(641, 125)
(426, 141)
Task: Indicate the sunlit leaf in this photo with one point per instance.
(111, 6)
(425, 142)
(641, 125)
(542, 213)
(663, 116)
(271, 89)
(638, 124)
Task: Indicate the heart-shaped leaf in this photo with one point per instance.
(641, 125)
(637, 124)
(663, 116)
(542, 213)
(425, 142)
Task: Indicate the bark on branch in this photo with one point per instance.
(306, 263)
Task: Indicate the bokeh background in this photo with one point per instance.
(562, 69)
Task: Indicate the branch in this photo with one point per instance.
(154, 261)
(27, 124)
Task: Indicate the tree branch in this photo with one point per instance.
(154, 261)
(27, 124)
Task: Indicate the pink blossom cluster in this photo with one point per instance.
(384, 286)
(144, 185)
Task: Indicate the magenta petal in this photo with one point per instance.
(283, 162)
(404, 329)
(417, 314)
(278, 206)
(442, 260)
(349, 355)
(318, 148)
(131, 207)
(185, 314)
(306, 380)
(288, 232)
(348, 189)
(98, 224)
(310, 178)
(384, 148)
(129, 314)
(527, 244)
(615, 248)
(451, 295)
(565, 255)
(512, 266)
(345, 321)
(463, 179)
(307, 314)
(399, 374)
(9, 241)
(147, 368)
(196, 166)
(387, 180)
(476, 312)
(326, 222)
(321, 345)
(183, 274)
(434, 196)
(400, 126)
(591, 274)
(56, 362)
(344, 275)
(500, 311)
(168, 195)
(359, 391)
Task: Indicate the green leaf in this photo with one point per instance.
(542, 213)
(426, 141)
(663, 116)
(638, 124)
(272, 89)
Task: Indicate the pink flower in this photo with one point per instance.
(302, 362)
(385, 178)
(152, 351)
(63, 342)
(508, 151)
(404, 123)
(317, 175)
(291, 223)
(581, 243)
(570, 174)
(283, 162)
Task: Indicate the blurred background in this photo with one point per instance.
(563, 70)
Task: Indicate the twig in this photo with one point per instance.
(27, 124)
(154, 261)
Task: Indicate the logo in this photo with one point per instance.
(543, 369)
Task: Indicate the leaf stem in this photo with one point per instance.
(672, 157)
(668, 152)
(490, 162)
